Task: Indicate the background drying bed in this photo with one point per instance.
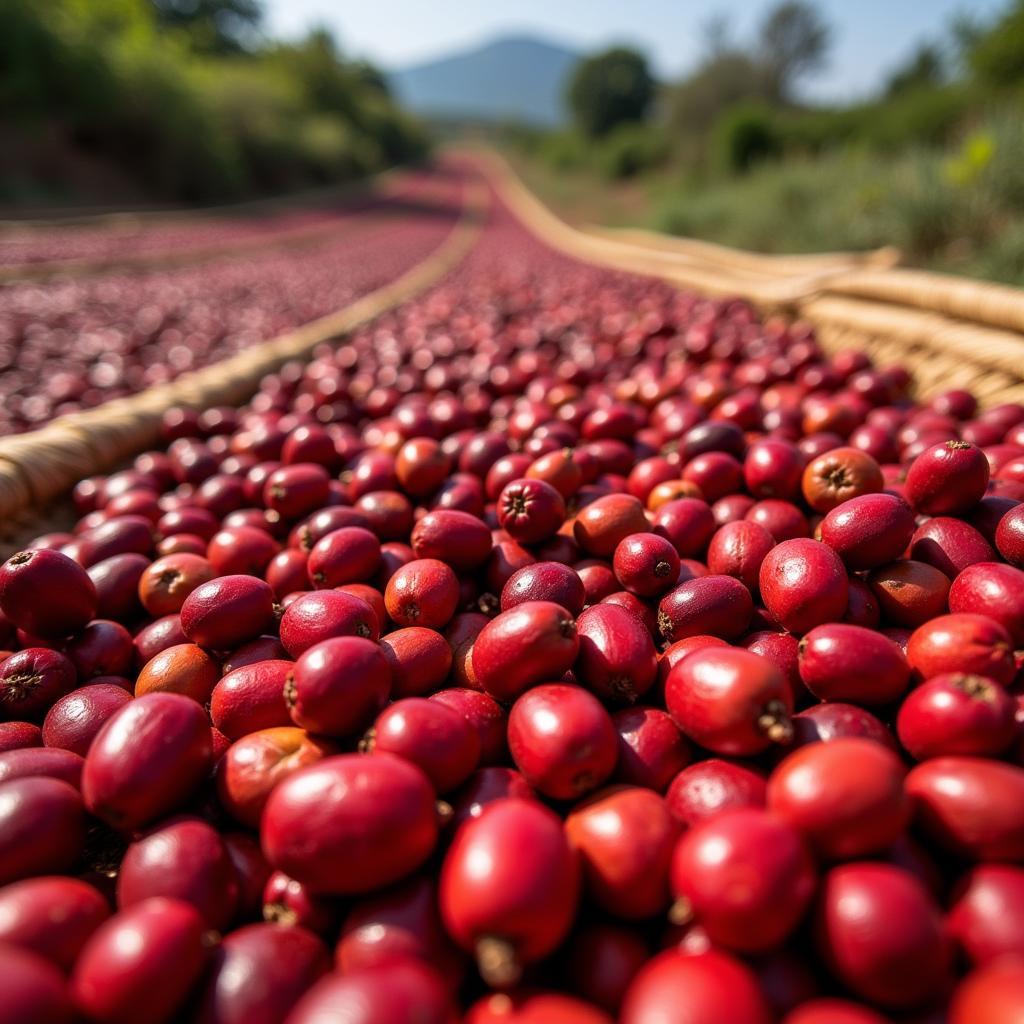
(73, 342)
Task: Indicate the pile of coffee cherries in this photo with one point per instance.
(559, 649)
(69, 343)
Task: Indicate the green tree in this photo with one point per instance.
(996, 54)
(926, 67)
(724, 80)
(793, 41)
(213, 26)
(610, 89)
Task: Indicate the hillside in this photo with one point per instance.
(521, 79)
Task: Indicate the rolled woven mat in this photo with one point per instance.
(40, 466)
(997, 305)
(766, 263)
(942, 352)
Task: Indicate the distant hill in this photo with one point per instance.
(515, 78)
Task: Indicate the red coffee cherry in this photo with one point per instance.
(850, 663)
(46, 593)
(509, 887)
(624, 837)
(746, 843)
(730, 701)
(845, 797)
(350, 823)
(881, 934)
(947, 479)
(530, 510)
(527, 644)
(803, 584)
(337, 686)
(424, 592)
(562, 740)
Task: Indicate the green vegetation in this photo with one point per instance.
(934, 164)
(183, 100)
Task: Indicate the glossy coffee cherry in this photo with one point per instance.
(141, 964)
(909, 593)
(957, 714)
(711, 787)
(337, 686)
(602, 525)
(995, 590)
(972, 806)
(254, 764)
(881, 933)
(227, 611)
(509, 888)
(29, 580)
(527, 644)
(562, 740)
(839, 475)
(351, 823)
(985, 915)
(616, 659)
(349, 555)
(34, 989)
(74, 720)
(851, 663)
(42, 827)
(184, 668)
(296, 490)
(419, 658)
(947, 479)
(652, 750)
(803, 584)
(646, 564)
(51, 916)
(530, 510)
(183, 860)
(823, 723)
(950, 545)
(31, 680)
(260, 972)
(967, 643)
(251, 697)
(434, 737)
(773, 469)
(717, 606)
(544, 581)
(400, 991)
(730, 701)
(742, 844)
(424, 592)
(845, 797)
(738, 549)
(1009, 536)
(699, 988)
(166, 583)
(457, 538)
(147, 760)
(869, 530)
(485, 716)
(625, 837)
(323, 615)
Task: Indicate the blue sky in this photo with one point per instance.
(871, 36)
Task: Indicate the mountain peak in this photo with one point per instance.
(514, 77)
